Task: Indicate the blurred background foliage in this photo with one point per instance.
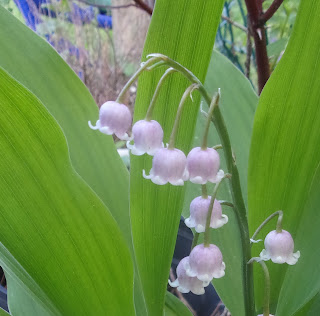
(102, 40)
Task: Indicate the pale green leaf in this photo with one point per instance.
(36, 65)
(53, 224)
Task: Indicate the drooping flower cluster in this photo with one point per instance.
(200, 166)
(171, 165)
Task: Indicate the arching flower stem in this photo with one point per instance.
(205, 196)
(279, 224)
(204, 191)
(217, 147)
(266, 303)
(143, 67)
(206, 240)
(238, 201)
(156, 93)
(195, 240)
(183, 100)
(214, 103)
(226, 203)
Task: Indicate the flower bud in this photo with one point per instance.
(203, 165)
(279, 248)
(114, 118)
(198, 214)
(205, 263)
(168, 165)
(147, 136)
(185, 283)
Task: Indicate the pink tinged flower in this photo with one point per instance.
(203, 165)
(185, 283)
(147, 136)
(198, 214)
(168, 165)
(262, 315)
(206, 263)
(279, 248)
(114, 118)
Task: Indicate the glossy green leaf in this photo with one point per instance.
(34, 63)
(284, 160)
(174, 307)
(185, 31)
(93, 154)
(53, 224)
(238, 102)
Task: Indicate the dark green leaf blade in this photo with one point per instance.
(185, 31)
(284, 159)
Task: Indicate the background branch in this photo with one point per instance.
(142, 5)
(271, 11)
(257, 30)
(238, 25)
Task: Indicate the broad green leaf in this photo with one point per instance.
(311, 308)
(36, 65)
(174, 307)
(54, 225)
(284, 160)
(185, 31)
(238, 102)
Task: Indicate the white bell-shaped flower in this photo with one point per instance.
(185, 283)
(114, 118)
(203, 165)
(198, 214)
(147, 137)
(279, 248)
(168, 165)
(206, 263)
(262, 315)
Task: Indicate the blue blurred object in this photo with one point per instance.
(32, 10)
(104, 21)
(3, 298)
(31, 18)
